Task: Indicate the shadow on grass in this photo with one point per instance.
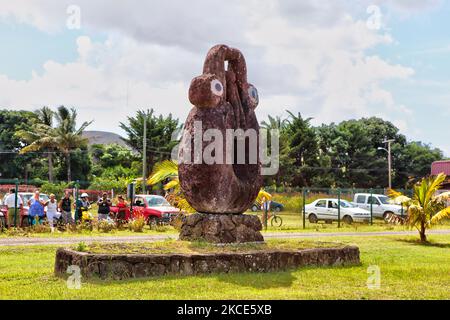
(417, 242)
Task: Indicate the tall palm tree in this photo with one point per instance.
(274, 123)
(65, 137)
(45, 116)
(425, 208)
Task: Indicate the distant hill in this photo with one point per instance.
(103, 137)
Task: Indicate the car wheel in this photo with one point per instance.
(348, 220)
(152, 222)
(312, 218)
(254, 208)
(277, 209)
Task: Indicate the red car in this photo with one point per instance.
(155, 209)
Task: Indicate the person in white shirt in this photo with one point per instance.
(52, 211)
(10, 203)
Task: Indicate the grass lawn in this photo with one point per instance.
(408, 271)
(292, 222)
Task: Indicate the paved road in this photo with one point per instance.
(130, 239)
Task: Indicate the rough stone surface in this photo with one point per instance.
(223, 101)
(224, 228)
(127, 266)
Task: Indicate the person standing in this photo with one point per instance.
(82, 206)
(36, 208)
(122, 207)
(66, 208)
(52, 211)
(10, 202)
(104, 205)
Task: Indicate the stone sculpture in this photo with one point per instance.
(225, 101)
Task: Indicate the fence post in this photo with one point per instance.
(16, 200)
(304, 208)
(339, 208)
(77, 189)
(371, 206)
(265, 208)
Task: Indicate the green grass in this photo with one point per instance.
(185, 247)
(408, 271)
(292, 222)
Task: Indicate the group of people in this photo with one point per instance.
(61, 210)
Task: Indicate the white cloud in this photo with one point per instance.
(303, 56)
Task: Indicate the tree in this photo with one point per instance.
(45, 116)
(303, 148)
(65, 137)
(425, 208)
(11, 165)
(159, 135)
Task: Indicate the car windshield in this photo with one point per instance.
(346, 204)
(384, 200)
(157, 202)
(27, 197)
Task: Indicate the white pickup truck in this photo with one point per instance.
(381, 205)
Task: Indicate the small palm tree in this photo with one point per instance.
(168, 170)
(425, 208)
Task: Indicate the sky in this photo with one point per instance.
(331, 60)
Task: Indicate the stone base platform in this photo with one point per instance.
(221, 228)
(125, 266)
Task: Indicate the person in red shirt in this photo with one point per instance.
(122, 205)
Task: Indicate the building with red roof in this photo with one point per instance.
(442, 167)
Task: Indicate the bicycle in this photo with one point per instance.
(275, 220)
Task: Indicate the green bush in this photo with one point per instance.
(56, 188)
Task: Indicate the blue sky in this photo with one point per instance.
(317, 59)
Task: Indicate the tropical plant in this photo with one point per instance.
(167, 172)
(45, 116)
(425, 208)
(64, 137)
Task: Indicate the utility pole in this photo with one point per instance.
(388, 150)
(144, 156)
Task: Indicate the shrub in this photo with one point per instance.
(56, 189)
(82, 247)
(137, 224)
(106, 226)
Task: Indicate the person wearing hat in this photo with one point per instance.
(81, 205)
(104, 205)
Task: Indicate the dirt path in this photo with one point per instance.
(278, 235)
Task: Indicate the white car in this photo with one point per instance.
(327, 210)
(381, 204)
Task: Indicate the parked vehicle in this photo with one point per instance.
(381, 205)
(155, 209)
(274, 206)
(25, 196)
(327, 210)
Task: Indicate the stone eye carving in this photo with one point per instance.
(222, 99)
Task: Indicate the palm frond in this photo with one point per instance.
(441, 215)
(162, 171)
(173, 184)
